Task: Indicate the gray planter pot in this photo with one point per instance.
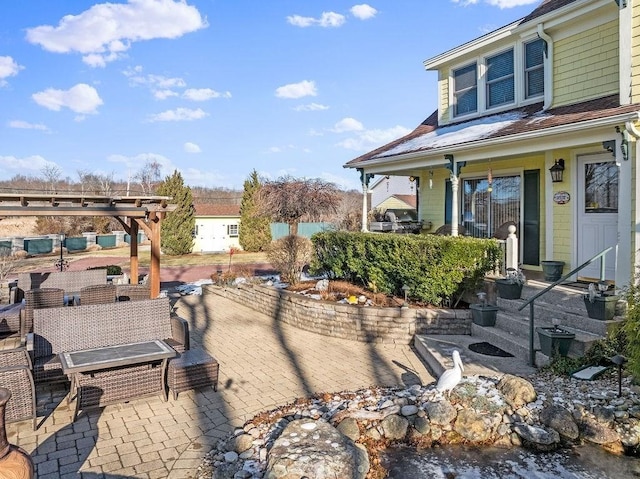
(603, 307)
(508, 289)
(552, 270)
(554, 341)
(484, 314)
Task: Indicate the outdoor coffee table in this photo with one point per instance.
(112, 374)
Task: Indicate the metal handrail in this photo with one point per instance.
(531, 301)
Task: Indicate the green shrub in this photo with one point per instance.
(437, 269)
(112, 269)
(631, 329)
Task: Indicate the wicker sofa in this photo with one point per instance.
(69, 281)
(66, 329)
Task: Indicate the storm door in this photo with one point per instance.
(597, 219)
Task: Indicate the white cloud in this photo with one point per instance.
(204, 94)
(297, 90)
(30, 165)
(340, 181)
(27, 126)
(191, 147)
(179, 114)
(347, 124)
(371, 139)
(327, 19)
(363, 11)
(105, 31)
(81, 98)
(311, 107)
(498, 3)
(133, 163)
(164, 94)
(8, 68)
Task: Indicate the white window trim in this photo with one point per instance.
(519, 82)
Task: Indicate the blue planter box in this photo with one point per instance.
(127, 238)
(75, 244)
(106, 241)
(38, 245)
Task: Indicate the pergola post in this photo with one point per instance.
(154, 266)
(133, 250)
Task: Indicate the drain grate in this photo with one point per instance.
(489, 349)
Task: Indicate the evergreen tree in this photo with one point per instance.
(178, 225)
(255, 229)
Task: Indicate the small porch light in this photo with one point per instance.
(557, 171)
(406, 289)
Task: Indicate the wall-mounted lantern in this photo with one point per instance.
(557, 171)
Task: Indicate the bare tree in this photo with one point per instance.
(9, 261)
(289, 199)
(147, 176)
(51, 174)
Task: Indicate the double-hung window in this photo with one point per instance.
(500, 85)
(232, 230)
(534, 68)
(465, 86)
(500, 80)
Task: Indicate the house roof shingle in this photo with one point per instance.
(429, 135)
(217, 210)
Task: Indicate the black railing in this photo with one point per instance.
(532, 299)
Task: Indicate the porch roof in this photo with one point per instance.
(430, 138)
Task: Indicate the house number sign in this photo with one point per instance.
(561, 197)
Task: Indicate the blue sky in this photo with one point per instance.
(217, 88)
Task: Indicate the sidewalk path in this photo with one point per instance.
(263, 364)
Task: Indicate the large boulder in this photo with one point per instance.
(537, 438)
(516, 391)
(558, 418)
(474, 426)
(315, 449)
(440, 412)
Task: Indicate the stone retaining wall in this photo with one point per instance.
(356, 323)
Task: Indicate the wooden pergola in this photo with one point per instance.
(133, 212)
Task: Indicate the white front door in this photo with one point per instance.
(597, 213)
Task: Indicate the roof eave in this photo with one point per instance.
(437, 153)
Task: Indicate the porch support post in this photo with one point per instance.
(512, 249)
(627, 216)
(364, 179)
(454, 204)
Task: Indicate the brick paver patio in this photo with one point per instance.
(263, 364)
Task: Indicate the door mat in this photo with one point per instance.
(489, 349)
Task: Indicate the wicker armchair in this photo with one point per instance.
(98, 294)
(15, 375)
(69, 281)
(132, 292)
(38, 299)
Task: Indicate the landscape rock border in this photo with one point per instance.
(544, 414)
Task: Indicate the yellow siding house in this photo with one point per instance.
(537, 124)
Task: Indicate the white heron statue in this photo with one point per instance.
(451, 377)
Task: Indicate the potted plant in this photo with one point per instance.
(510, 287)
(599, 304)
(554, 340)
(552, 270)
(483, 314)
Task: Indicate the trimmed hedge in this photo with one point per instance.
(437, 269)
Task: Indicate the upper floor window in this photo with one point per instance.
(500, 83)
(465, 86)
(499, 80)
(534, 68)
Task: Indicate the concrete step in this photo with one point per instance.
(436, 351)
(518, 344)
(519, 326)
